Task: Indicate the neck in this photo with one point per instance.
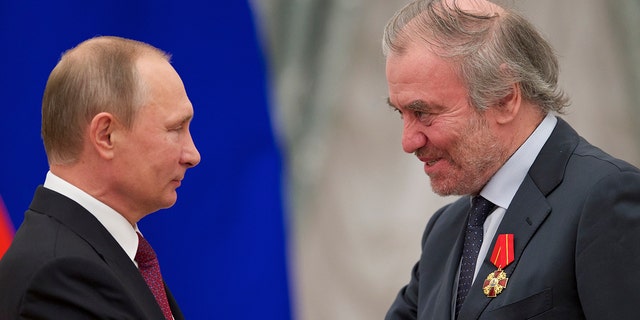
(516, 132)
(94, 182)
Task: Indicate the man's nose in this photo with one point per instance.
(191, 155)
(412, 138)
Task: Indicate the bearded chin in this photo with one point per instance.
(455, 189)
(460, 182)
(474, 158)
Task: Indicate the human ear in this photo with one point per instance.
(101, 129)
(508, 107)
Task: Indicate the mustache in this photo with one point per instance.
(429, 154)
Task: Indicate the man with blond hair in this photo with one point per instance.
(547, 225)
(115, 125)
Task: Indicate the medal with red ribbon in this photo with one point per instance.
(501, 257)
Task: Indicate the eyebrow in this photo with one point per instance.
(419, 105)
(182, 120)
(416, 105)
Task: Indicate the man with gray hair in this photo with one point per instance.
(115, 125)
(547, 225)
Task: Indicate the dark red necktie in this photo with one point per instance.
(150, 270)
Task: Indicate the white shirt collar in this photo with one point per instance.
(505, 183)
(119, 228)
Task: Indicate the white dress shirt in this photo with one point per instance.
(119, 228)
(503, 186)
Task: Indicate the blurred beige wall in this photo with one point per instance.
(358, 203)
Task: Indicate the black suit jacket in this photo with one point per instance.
(576, 225)
(63, 264)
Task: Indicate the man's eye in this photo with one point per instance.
(423, 117)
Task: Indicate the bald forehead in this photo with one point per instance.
(111, 46)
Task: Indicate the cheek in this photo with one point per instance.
(160, 146)
(448, 127)
(443, 137)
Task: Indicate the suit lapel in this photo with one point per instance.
(448, 284)
(83, 223)
(438, 266)
(527, 211)
(136, 285)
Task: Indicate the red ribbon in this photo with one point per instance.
(502, 254)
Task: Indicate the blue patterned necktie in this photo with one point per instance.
(480, 209)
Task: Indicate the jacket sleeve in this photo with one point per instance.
(608, 249)
(405, 306)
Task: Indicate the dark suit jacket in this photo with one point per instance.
(63, 264)
(576, 225)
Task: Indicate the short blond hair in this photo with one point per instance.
(98, 75)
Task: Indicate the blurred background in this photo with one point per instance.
(304, 205)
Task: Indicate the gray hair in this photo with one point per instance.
(491, 51)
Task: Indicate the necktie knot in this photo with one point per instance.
(480, 209)
(145, 256)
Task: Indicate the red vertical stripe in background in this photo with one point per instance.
(6, 229)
